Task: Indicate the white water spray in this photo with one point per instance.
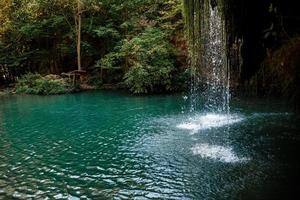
(218, 153)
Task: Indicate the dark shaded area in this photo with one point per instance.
(261, 24)
(263, 46)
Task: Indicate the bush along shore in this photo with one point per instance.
(36, 84)
(43, 85)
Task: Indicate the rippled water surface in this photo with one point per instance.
(105, 145)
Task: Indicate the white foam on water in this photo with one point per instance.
(215, 152)
(208, 121)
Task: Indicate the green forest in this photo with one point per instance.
(133, 44)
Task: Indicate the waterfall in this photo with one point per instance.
(210, 74)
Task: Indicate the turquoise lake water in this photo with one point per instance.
(110, 145)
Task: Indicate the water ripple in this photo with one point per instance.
(94, 147)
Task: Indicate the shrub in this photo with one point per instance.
(37, 84)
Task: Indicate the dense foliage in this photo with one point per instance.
(41, 36)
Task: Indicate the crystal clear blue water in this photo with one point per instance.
(110, 145)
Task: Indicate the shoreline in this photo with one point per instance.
(10, 90)
(6, 91)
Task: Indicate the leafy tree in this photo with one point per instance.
(151, 62)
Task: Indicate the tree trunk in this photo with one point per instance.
(79, 35)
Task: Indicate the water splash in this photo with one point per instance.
(207, 121)
(216, 152)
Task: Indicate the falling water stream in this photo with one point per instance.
(210, 85)
(212, 78)
(216, 70)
